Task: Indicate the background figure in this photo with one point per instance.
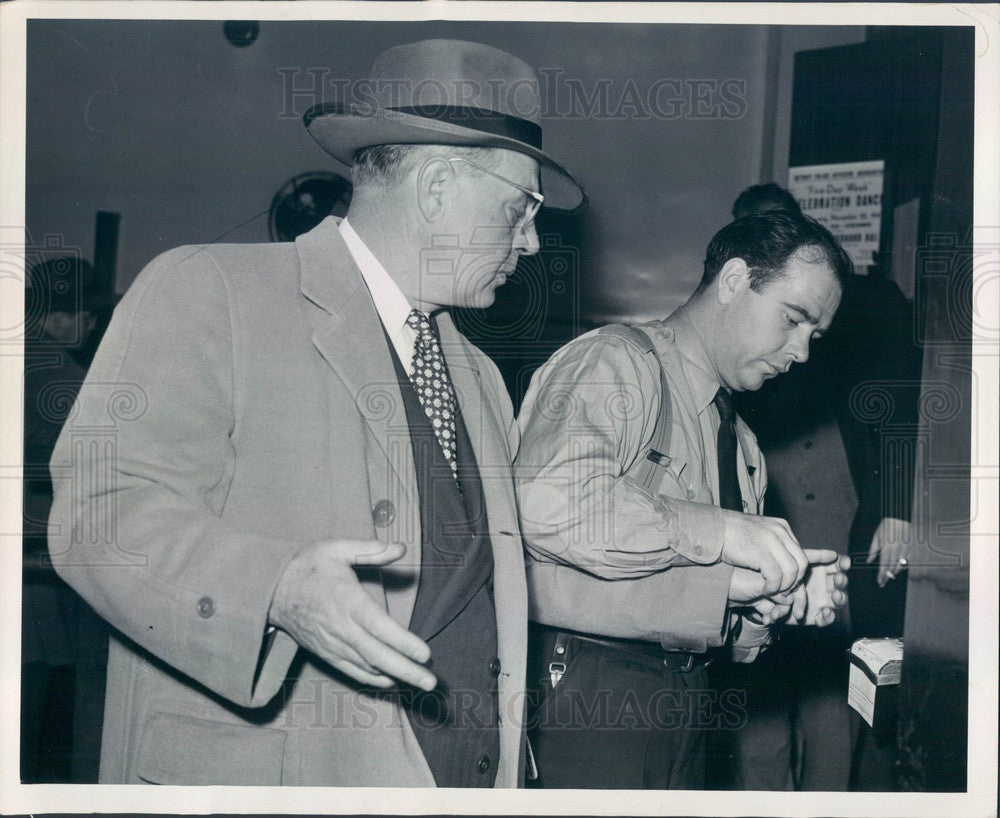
(842, 475)
(61, 669)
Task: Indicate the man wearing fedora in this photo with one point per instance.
(286, 481)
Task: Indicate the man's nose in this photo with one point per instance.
(798, 348)
(526, 241)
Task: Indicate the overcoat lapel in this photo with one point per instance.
(347, 331)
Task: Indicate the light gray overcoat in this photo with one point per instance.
(242, 405)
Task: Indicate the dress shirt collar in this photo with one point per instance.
(390, 303)
(698, 367)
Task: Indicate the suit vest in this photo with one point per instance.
(457, 724)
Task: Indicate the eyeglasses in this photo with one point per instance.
(535, 199)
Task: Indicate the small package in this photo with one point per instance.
(873, 687)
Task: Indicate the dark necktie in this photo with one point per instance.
(430, 379)
(730, 496)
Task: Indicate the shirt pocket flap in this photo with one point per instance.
(179, 749)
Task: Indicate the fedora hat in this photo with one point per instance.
(445, 92)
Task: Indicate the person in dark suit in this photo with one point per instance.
(286, 481)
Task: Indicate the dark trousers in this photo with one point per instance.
(616, 720)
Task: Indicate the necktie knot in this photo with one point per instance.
(724, 403)
(420, 323)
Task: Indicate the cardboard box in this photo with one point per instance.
(873, 686)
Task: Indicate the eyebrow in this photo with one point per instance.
(802, 311)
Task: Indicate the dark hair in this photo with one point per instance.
(760, 198)
(766, 241)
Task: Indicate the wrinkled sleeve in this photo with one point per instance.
(141, 473)
(589, 414)
(684, 609)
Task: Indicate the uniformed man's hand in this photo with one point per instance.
(764, 544)
(814, 602)
(322, 605)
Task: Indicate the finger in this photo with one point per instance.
(839, 581)
(889, 565)
(844, 563)
(873, 551)
(824, 617)
(360, 674)
(349, 654)
(839, 598)
(770, 570)
(799, 561)
(820, 556)
(793, 566)
(371, 552)
(395, 664)
(763, 607)
(800, 602)
(379, 625)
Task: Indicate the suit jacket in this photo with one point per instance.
(242, 405)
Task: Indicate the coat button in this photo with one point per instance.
(484, 764)
(383, 513)
(495, 667)
(206, 607)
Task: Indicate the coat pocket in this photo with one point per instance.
(177, 749)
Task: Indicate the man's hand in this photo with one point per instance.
(766, 545)
(824, 590)
(322, 605)
(746, 590)
(891, 544)
(814, 602)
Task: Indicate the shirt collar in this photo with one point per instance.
(390, 303)
(700, 373)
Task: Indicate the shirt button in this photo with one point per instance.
(484, 764)
(383, 513)
(690, 494)
(810, 496)
(206, 607)
(495, 667)
(699, 550)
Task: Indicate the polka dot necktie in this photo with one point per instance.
(430, 379)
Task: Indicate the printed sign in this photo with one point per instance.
(847, 199)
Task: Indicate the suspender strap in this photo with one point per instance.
(647, 474)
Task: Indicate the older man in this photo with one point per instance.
(635, 468)
(287, 480)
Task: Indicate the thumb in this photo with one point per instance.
(371, 552)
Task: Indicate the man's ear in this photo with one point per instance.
(733, 278)
(435, 180)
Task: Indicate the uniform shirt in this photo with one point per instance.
(587, 420)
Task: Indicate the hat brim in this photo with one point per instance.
(343, 132)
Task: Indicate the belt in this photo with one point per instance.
(674, 661)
